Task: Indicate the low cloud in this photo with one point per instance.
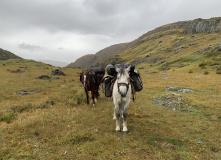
(30, 47)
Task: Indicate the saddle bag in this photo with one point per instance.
(137, 81)
(126, 65)
(107, 85)
(111, 70)
(96, 70)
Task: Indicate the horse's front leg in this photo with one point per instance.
(93, 96)
(96, 96)
(87, 96)
(124, 116)
(117, 116)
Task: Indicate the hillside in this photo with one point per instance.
(4, 55)
(138, 50)
(93, 59)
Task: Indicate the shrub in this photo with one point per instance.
(206, 72)
(7, 117)
(163, 67)
(203, 64)
(191, 71)
(218, 70)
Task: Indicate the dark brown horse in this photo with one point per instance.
(91, 79)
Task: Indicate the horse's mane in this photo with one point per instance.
(122, 71)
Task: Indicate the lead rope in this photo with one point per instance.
(122, 142)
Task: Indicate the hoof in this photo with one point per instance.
(125, 132)
(118, 131)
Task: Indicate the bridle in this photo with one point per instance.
(125, 84)
(122, 84)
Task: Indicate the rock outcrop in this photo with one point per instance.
(175, 102)
(204, 26)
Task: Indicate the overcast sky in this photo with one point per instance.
(64, 30)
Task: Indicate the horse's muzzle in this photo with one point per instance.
(123, 93)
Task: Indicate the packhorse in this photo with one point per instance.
(121, 82)
(121, 96)
(91, 79)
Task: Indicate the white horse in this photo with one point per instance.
(121, 97)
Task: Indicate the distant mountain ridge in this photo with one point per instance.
(55, 63)
(197, 26)
(5, 55)
(93, 59)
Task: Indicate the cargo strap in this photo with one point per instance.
(133, 91)
(112, 83)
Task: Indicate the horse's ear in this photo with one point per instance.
(117, 69)
(128, 69)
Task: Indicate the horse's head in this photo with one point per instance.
(123, 80)
(87, 77)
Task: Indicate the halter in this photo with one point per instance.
(122, 84)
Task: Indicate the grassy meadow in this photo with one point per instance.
(56, 123)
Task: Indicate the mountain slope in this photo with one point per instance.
(138, 50)
(4, 55)
(92, 59)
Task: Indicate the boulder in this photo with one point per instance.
(185, 90)
(26, 92)
(219, 47)
(175, 102)
(172, 88)
(43, 77)
(178, 89)
(56, 78)
(19, 71)
(57, 72)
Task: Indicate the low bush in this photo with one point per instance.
(218, 70)
(7, 117)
